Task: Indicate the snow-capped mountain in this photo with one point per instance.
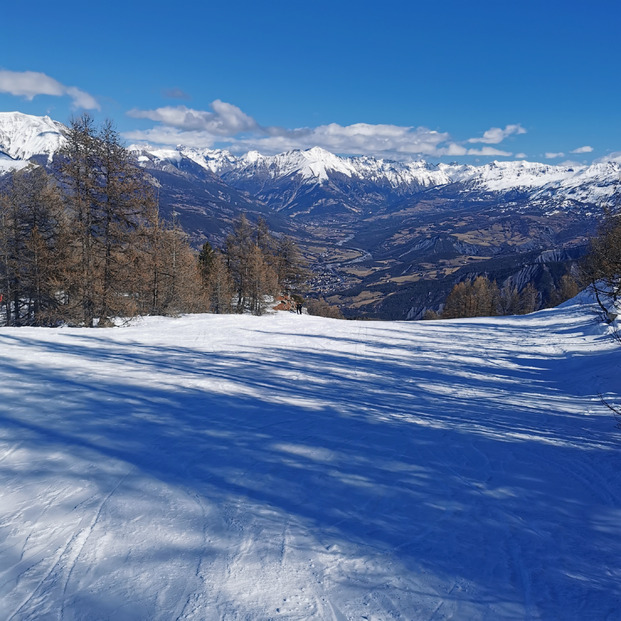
(595, 183)
(312, 166)
(303, 182)
(22, 136)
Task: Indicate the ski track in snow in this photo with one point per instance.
(292, 467)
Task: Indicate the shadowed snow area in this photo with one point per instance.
(293, 467)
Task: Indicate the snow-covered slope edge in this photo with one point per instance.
(289, 466)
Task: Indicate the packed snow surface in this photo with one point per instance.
(293, 467)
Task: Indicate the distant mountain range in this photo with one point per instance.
(388, 239)
(315, 180)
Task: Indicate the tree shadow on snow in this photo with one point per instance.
(470, 467)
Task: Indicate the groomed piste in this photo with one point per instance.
(295, 467)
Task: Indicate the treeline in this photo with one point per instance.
(87, 244)
(484, 298)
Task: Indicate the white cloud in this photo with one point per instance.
(225, 120)
(172, 136)
(585, 149)
(226, 125)
(29, 84)
(570, 164)
(367, 138)
(552, 156)
(489, 152)
(359, 138)
(521, 156)
(495, 135)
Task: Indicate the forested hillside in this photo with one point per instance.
(86, 243)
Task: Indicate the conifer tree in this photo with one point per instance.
(456, 302)
(568, 287)
(206, 259)
(148, 261)
(262, 280)
(484, 297)
(601, 267)
(181, 283)
(122, 200)
(79, 173)
(261, 265)
(238, 249)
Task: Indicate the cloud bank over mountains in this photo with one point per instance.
(226, 125)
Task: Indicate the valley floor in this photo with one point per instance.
(293, 467)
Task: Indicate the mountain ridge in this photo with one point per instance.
(23, 136)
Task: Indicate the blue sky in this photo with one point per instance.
(451, 81)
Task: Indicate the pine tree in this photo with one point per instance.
(601, 267)
(568, 287)
(122, 200)
(125, 259)
(485, 297)
(321, 308)
(262, 280)
(456, 302)
(148, 261)
(206, 259)
(182, 283)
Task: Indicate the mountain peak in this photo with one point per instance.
(22, 135)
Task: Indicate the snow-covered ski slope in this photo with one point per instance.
(293, 467)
